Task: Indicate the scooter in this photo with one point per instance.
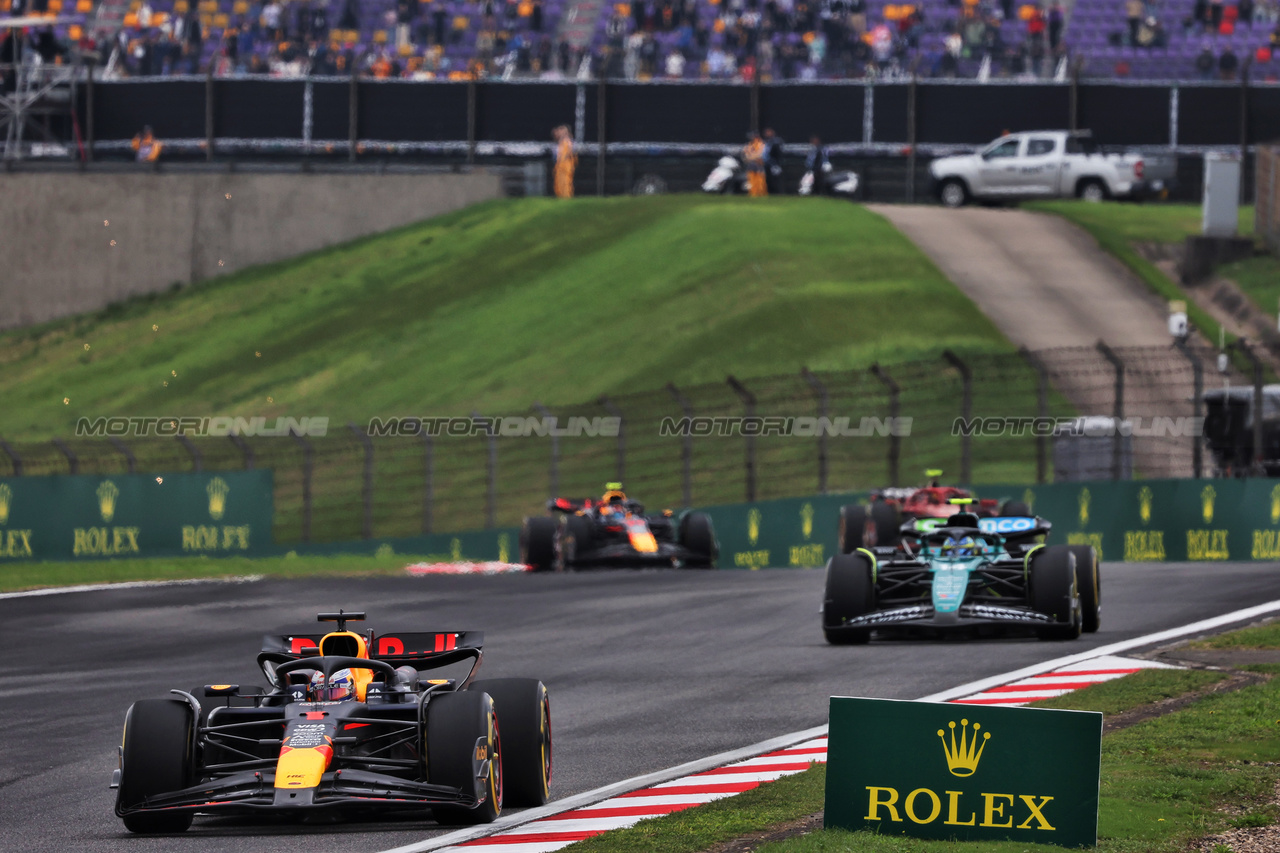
(838, 183)
(727, 177)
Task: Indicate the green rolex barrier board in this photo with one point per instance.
(973, 773)
(135, 515)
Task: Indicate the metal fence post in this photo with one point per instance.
(131, 461)
(1117, 440)
(366, 489)
(491, 475)
(209, 132)
(1197, 403)
(1042, 410)
(823, 399)
(749, 439)
(554, 474)
(308, 467)
(602, 132)
(966, 412)
(73, 461)
(471, 119)
(686, 450)
(429, 478)
(894, 442)
(243, 447)
(1243, 346)
(612, 408)
(197, 459)
(14, 457)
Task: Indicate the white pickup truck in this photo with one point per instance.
(1040, 164)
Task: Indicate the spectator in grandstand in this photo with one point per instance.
(566, 162)
(773, 149)
(1200, 14)
(350, 17)
(1215, 15)
(1205, 63)
(1228, 64)
(1056, 20)
(1134, 11)
(146, 146)
(273, 21)
(406, 14)
(1245, 13)
(675, 64)
(753, 158)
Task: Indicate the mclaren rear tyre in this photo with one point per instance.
(850, 592)
(538, 543)
(1015, 509)
(524, 712)
(1054, 592)
(460, 726)
(697, 536)
(1089, 582)
(156, 759)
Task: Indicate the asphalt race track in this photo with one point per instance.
(646, 670)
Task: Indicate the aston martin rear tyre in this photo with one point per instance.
(157, 758)
(850, 592)
(1054, 592)
(524, 712)
(1089, 582)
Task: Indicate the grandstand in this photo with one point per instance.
(686, 39)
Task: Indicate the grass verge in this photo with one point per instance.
(15, 577)
(1255, 637)
(1162, 781)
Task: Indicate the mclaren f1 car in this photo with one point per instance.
(615, 531)
(964, 574)
(354, 722)
(877, 522)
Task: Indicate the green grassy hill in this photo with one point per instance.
(491, 308)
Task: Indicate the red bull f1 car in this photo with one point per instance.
(963, 574)
(349, 722)
(615, 531)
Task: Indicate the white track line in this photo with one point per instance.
(1095, 665)
(101, 587)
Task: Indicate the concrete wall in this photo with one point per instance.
(56, 230)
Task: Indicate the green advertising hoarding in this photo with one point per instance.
(78, 517)
(968, 772)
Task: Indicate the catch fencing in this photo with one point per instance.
(716, 443)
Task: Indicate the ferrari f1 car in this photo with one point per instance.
(877, 522)
(615, 531)
(971, 574)
(349, 722)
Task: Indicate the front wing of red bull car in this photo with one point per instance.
(395, 739)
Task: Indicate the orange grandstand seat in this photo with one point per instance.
(380, 37)
(131, 20)
(84, 6)
(75, 32)
(405, 50)
(240, 7)
(221, 20)
(181, 7)
(55, 6)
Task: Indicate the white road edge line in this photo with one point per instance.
(101, 587)
(635, 783)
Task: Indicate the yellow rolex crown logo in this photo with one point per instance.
(1144, 504)
(753, 526)
(1029, 498)
(806, 520)
(6, 498)
(107, 494)
(1275, 505)
(963, 760)
(1085, 497)
(1207, 495)
(217, 490)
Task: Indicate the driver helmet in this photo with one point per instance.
(340, 686)
(613, 495)
(960, 546)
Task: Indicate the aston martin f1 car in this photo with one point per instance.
(615, 531)
(877, 522)
(348, 722)
(967, 574)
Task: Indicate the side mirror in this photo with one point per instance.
(269, 670)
